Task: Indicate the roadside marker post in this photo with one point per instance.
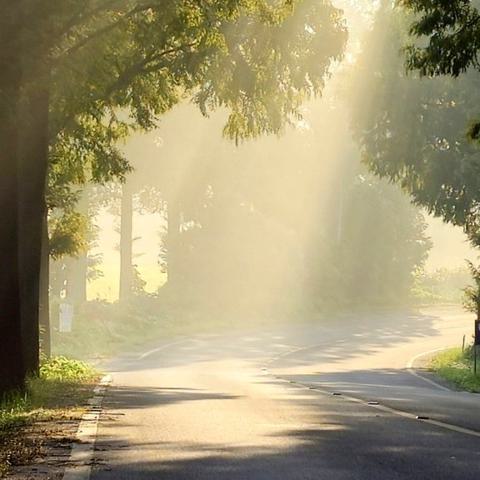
(475, 360)
(65, 318)
(476, 343)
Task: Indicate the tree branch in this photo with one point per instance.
(146, 65)
(106, 29)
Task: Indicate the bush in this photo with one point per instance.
(66, 370)
(442, 286)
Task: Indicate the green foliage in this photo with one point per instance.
(441, 286)
(370, 258)
(66, 370)
(393, 243)
(68, 234)
(449, 34)
(117, 67)
(267, 69)
(258, 59)
(456, 367)
(411, 130)
(452, 29)
(472, 292)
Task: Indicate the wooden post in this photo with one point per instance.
(475, 359)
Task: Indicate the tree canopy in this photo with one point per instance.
(448, 40)
(412, 130)
(78, 76)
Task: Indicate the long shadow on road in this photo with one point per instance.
(335, 440)
(400, 390)
(311, 436)
(128, 398)
(362, 333)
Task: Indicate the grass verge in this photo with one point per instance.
(456, 367)
(59, 393)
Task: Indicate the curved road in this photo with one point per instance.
(292, 403)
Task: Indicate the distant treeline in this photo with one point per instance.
(270, 226)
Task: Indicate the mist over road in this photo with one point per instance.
(247, 406)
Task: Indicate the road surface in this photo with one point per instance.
(292, 403)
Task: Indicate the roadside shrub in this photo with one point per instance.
(66, 370)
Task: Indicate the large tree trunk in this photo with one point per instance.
(12, 368)
(126, 229)
(44, 307)
(33, 174)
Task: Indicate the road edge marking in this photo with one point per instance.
(410, 369)
(320, 389)
(82, 453)
(162, 347)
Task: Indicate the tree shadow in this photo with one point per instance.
(337, 440)
(339, 338)
(127, 398)
(400, 390)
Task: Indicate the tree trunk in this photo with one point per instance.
(12, 369)
(33, 174)
(172, 245)
(126, 229)
(44, 307)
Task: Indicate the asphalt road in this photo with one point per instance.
(260, 406)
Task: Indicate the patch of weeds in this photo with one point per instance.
(66, 370)
(456, 366)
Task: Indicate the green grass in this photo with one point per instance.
(456, 367)
(13, 413)
(59, 392)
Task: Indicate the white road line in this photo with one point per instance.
(82, 453)
(287, 353)
(411, 371)
(296, 349)
(411, 416)
(423, 354)
(401, 413)
(159, 349)
(384, 408)
(409, 367)
(428, 380)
